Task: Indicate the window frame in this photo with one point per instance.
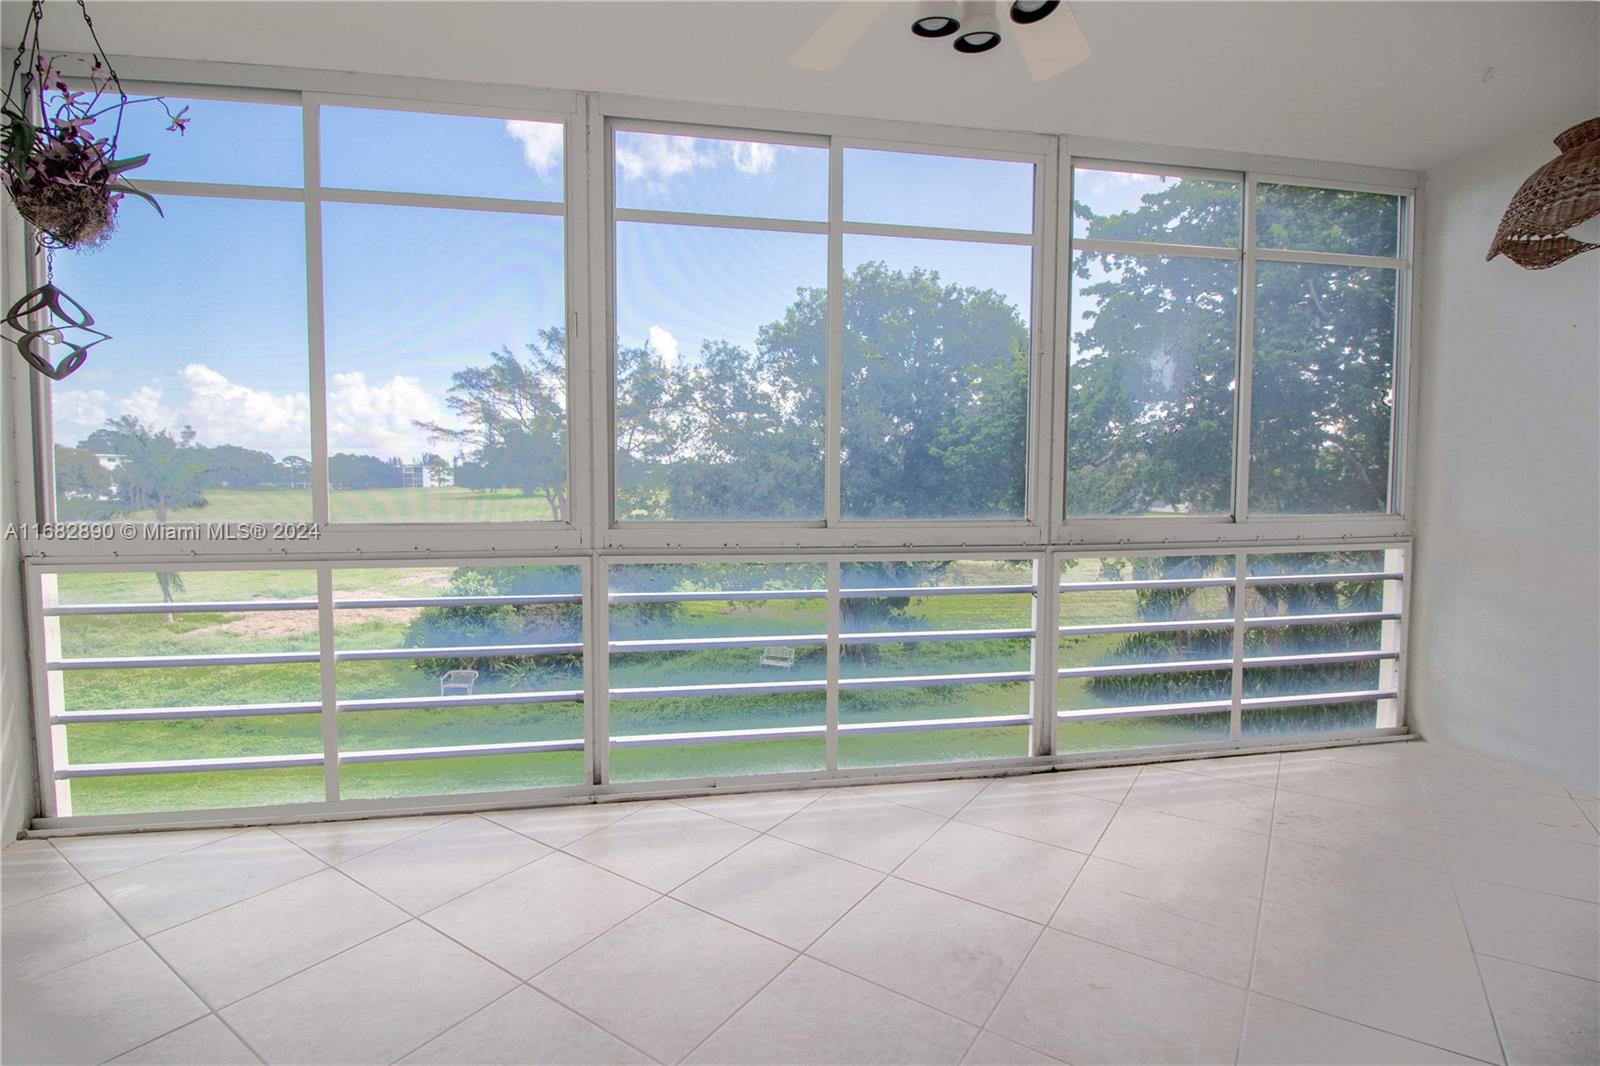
(365, 537)
(1240, 526)
(621, 114)
(589, 265)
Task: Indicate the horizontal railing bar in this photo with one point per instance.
(741, 688)
(1313, 658)
(718, 736)
(789, 640)
(1170, 626)
(256, 658)
(164, 714)
(189, 607)
(188, 766)
(707, 595)
(1181, 666)
(933, 590)
(1313, 699)
(477, 699)
(1146, 710)
(1148, 583)
(458, 651)
(459, 601)
(460, 751)
(933, 636)
(936, 680)
(1322, 579)
(922, 725)
(723, 736)
(1322, 619)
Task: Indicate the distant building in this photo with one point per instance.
(429, 472)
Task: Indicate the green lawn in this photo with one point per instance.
(362, 505)
(211, 633)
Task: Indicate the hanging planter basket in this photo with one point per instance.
(65, 178)
(72, 216)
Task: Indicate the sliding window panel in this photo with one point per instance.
(1150, 392)
(452, 155)
(1310, 219)
(1124, 205)
(229, 142)
(716, 670)
(458, 680)
(197, 415)
(720, 176)
(1322, 642)
(159, 679)
(1146, 655)
(936, 379)
(720, 371)
(937, 191)
(1322, 389)
(447, 372)
(935, 661)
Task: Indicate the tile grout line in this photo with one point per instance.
(1045, 926)
(1261, 910)
(1461, 912)
(209, 1009)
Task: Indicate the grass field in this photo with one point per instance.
(360, 505)
(214, 633)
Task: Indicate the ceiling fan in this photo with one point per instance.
(1045, 30)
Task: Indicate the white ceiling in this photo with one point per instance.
(1391, 84)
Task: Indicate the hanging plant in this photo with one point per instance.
(60, 164)
(62, 171)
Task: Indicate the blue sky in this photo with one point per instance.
(207, 308)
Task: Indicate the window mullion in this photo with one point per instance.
(834, 398)
(311, 116)
(1244, 376)
(330, 685)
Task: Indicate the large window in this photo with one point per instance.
(725, 314)
(1154, 331)
(1327, 294)
(661, 452)
(441, 316)
(1160, 338)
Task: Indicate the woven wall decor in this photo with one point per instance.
(1563, 193)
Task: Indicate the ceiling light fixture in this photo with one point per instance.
(1027, 12)
(937, 18)
(980, 30)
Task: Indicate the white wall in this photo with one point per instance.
(16, 736)
(1505, 638)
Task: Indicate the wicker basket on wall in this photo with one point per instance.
(1563, 193)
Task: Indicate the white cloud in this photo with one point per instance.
(369, 417)
(653, 158)
(380, 418)
(753, 158)
(222, 411)
(665, 345)
(541, 143)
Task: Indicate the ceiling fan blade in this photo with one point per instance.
(1054, 45)
(839, 33)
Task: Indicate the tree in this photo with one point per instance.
(1151, 395)
(80, 477)
(935, 417)
(515, 418)
(346, 471)
(156, 471)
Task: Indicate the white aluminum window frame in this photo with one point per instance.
(611, 114)
(589, 536)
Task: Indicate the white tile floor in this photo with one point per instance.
(1391, 904)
